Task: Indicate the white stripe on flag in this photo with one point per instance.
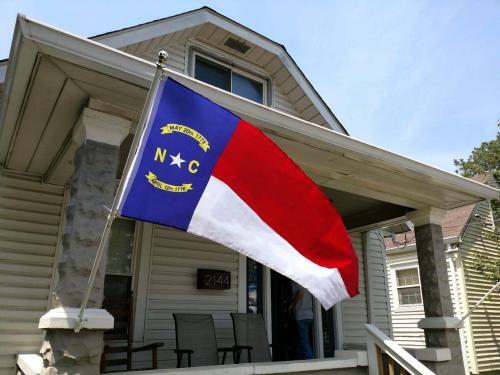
(222, 216)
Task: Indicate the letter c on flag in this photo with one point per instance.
(191, 164)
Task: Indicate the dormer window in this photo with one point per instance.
(229, 78)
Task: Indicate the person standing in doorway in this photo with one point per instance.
(302, 305)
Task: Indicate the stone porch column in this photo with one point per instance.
(439, 325)
(93, 185)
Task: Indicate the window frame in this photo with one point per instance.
(254, 76)
(259, 287)
(133, 255)
(395, 287)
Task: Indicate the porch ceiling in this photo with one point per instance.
(52, 75)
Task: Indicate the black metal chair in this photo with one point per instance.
(250, 337)
(195, 337)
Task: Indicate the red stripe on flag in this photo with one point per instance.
(281, 194)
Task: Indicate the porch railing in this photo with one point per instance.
(386, 357)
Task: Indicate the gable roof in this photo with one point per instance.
(148, 30)
(454, 222)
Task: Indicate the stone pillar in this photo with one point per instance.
(93, 186)
(440, 327)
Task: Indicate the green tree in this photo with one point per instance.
(484, 159)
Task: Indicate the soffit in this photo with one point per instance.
(42, 143)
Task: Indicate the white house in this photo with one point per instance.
(69, 108)
(468, 238)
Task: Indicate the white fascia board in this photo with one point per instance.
(185, 21)
(152, 30)
(88, 53)
(18, 69)
(132, 69)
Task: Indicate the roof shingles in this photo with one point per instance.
(453, 224)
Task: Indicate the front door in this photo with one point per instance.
(283, 324)
(285, 339)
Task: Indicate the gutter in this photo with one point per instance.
(132, 69)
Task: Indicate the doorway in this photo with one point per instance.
(284, 326)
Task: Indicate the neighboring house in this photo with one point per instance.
(467, 234)
(69, 109)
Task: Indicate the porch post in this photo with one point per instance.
(439, 325)
(93, 185)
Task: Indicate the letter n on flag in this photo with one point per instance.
(201, 169)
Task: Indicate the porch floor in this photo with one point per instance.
(314, 366)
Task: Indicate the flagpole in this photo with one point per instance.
(146, 113)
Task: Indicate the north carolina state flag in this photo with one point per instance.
(203, 170)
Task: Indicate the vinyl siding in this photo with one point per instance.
(30, 215)
(485, 320)
(354, 310)
(177, 60)
(176, 256)
(176, 56)
(405, 319)
(378, 296)
(457, 290)
(281, 102)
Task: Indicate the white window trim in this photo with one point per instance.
(242, 283)
(142, 273)
(223, 61)
(133, 259)
(399, 267)
(193, 45)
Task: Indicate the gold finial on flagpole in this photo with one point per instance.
(162, 57)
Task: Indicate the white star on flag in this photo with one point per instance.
(176, 160)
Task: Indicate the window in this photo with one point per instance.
(230, 79)
(120, 248)
(408, 286)
(118, 279)
(254, 287)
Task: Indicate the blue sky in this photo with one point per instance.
(420, 78)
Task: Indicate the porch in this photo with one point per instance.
(383, 356)
(369, 186)
(314, 366)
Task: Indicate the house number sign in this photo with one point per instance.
(213, 279)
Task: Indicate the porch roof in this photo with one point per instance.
(341, 164)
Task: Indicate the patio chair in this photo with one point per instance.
(250, 337)
(195, 337)
(118, 341)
